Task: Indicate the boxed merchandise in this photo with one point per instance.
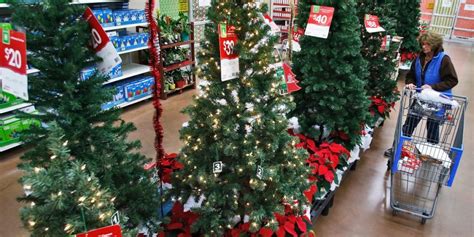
(117, 98)
(121, 17)
(10, 128)
(90, 71)
(139, 88)
(7, 99)
(104, 16)
(116, 71)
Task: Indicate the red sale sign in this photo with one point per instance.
(109, 231)
(229, 57)
(13, 63)
(102, 45)
(297, 33)
(319, 21)
(372, 24)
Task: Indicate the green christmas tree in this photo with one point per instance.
(381, 88)
(63, 197)
(332, 73)
(241, 123)
(58, 41)
(407, 16)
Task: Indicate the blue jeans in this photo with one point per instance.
(432, 127)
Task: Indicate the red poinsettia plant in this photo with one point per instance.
(166, 166)
(407, 56)
(289, 224)
(324, 159)
(179, 222)
(379, 106)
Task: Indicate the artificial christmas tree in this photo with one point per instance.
(407, 16)
(238, 157)
(63, 197)
(378, 50)
(58, 41)
(332, 73)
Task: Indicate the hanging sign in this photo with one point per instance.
(229, 57)
(386, 43)
(102, 45)
(290, 78)
(109, 231)
(297, 33)
(372, 24)
(183, 6)
(319, 21)
(13, 63)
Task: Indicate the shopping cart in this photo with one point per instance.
(427, 150)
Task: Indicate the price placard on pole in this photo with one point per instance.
(229, 57)
(102, 45)
(372, 24)
(319, 21)
(109, 231)
(13, 63)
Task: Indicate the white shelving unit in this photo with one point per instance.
(133, 50)
(130, 70)
(8, 147)
(15, 107)
(110, 28)
(134, 102)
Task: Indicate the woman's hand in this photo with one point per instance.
(426, 87)
(410, 86)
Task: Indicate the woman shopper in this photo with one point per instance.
(432, 69)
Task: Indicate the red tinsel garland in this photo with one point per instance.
(154, 62)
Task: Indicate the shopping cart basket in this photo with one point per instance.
(427, 150)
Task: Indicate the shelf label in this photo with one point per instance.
(229, 57)
(102, 45)
(372, 24)
(13, 63)
(319, 21)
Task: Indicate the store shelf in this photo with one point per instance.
(8, 147)
(94, 1)
(15, 107)
(167, 46)
(130, 70)
(281, 18)
(178, 65)
(134, 101)
(32, 70)
(110, 28)
(133, 50)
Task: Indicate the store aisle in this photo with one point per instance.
(360, 208)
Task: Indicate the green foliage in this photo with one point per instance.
(65, 196)
(58, 39)
(407, 16)
(381, 63)
(242, 123)
(332, 73)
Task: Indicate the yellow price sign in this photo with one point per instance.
(183, 6)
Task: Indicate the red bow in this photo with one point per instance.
(168, 165)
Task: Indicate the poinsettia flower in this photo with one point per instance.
(322, 170)
(309, 193)
(329, 176)
(301, 224)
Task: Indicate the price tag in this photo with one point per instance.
(13, 63)
(229, 58)
(217, 167)
(115, 219)
(319, 21)
(297, 33)
(372, 24)
(102, 45)
(290, 78)
(109, 231)
(260, 172)
(386, 43)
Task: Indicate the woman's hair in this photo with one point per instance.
(435, 40)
